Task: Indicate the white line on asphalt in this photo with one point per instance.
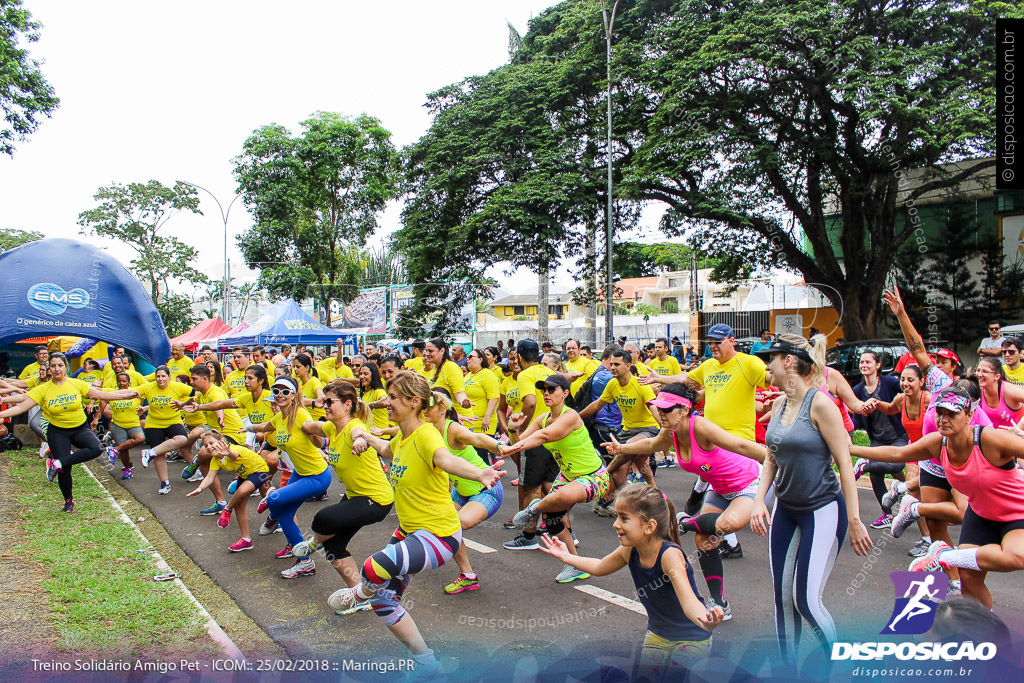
(613, 598)
(479, 547)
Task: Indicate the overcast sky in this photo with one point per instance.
(170, 91)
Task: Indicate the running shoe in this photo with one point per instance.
(232, 487)
(285, 553)
(883, 522)
(891, 499)
(462, 584)
(224, 519)
(302, 549)
(175, 456)
(634, 478)
(570, 574)
(165, 488)
(268, 527)
(521, 542)
(322, 497)
(694, 502)
(344, 601)
(575, 541)
(198, 476)
(112, 454)
(604, 508)
(929, 562)
(681, 519)
(69, 505)
(240, 545)
(262, 507)
(303, 567)
(213, 509)
(44, 450)
(711, 603)
(509, 524)
(906, 516)
(919, 549)
(127, 473)
(359, 607)
(51, 469)
(729, 552)
(147, 455)
(859, 468)
(667, 462)
(527, 515)
(190, 469)
(955, 589)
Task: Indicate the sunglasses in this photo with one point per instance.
(281, 391)
(993, 329)
(551, 390)
(1010, 351)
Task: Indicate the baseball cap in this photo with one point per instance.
(953, 402)
(555, 380)
(720, 331)
(286, 382)
(527, 346)
(666, 399)
(779, 346)
(946, 353)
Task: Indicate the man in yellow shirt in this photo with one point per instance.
(415, 363)
(234, 382)
(638, 358)
(1013, 367)
(663, 363)
(32, 369)
(179, 363)
(118, 364)
(259, 355)
(578, 363)
(334, 367)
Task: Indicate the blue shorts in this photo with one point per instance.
(491, 500)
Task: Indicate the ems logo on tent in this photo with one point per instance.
(53, 300)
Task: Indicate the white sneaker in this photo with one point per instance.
(267, 529)
(301, 549)
(147, 455)
(164, 489)
(44, 450)
(344, 600)
(906, 516)
(112, 454)
(304, 567)
(570, 573)
(198, 476)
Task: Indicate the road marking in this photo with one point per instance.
(479, 547)
(614, 598)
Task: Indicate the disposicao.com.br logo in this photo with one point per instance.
(947, 652)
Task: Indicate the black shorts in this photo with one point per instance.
(342, 520)
(157, 435)
(258, 479)
(540, 467)
(978, 530)
(929, 479)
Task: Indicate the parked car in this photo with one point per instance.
(845, 358)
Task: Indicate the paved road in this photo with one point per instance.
(520, 621)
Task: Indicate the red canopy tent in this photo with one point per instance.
(206, 329)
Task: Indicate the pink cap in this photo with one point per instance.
(667, 399)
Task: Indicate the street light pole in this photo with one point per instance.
(609, 286)
(226, 308)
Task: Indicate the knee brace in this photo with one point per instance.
(554, 522)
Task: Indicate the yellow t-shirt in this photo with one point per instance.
(481, 387)
(729, 391)
(361, 474)
(450, 378)
(422, 498)
(528, 385)
(669, 366)
(309, 391)
(179, 367)
(308, 459)
(161, 413)
(137, 380)
(33, 382)
(632, 402)
(232, 420)
(380, 415)
(588, 366)
(30, 370)
(415, 365)
(62, 405)
(247, 462)
(642, 367)
(1015, 376)
(235, 382)
(108, 373)
(499, 373)
(326, 369)
(258, 411)
(125, 413)
(510, 388)
(89, 377)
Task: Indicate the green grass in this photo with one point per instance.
(101, 591)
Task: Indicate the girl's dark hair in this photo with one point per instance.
(650, 503)
(397, 360)
(123, 374)
(375, 382)
(874, 354)
(916, 370)
(260, 373)
(439, 343)
(995, 365)
(304, 360)
(493, 350)
(164, 369)
(447, 402)
(969, 386)
(345, 392)
(96, 365)
(218, 373)
(680, 389)
(61, 356)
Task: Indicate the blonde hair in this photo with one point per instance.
(554, 359)
(344, 392)
(412, 386)
(815, 370)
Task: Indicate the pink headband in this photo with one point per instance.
(667, 399)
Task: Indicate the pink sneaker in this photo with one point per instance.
(262, 507)
(282, 554)
(929, 562)
(240, 545)
(224, 519)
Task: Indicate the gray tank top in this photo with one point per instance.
(805, 480)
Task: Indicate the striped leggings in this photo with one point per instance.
(803, 549)
(387, 573)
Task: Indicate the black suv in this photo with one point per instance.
(845, 358)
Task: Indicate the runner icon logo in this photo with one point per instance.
(917, 596)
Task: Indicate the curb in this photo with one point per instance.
(231, 651)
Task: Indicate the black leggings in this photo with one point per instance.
(343, 520)
(877, 471)
(61, 440)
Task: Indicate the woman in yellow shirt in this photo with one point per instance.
(216, 372)
(310, 384)
(61, 402)
(371, 390)
(492, 356)
(444, 372)
(125, 426)
(368, 495)
(310, 478)
(429, 530)
(483, 390)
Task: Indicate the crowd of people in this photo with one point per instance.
(426, 429)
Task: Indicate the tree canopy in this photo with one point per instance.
(24, 92)
(314, 197)
(12, 237)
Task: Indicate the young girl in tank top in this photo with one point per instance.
(678, 623)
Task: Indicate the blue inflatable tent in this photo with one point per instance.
(286, 323)
(61, 286)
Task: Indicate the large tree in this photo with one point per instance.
(313, 197)
(136, 214)
(24, 92)
(12, 237)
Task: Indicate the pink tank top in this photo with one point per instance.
(1001, 415)
(847, 421)
(993, 492)
(978, 419)
(725, 471)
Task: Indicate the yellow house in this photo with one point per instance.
(524, 307)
